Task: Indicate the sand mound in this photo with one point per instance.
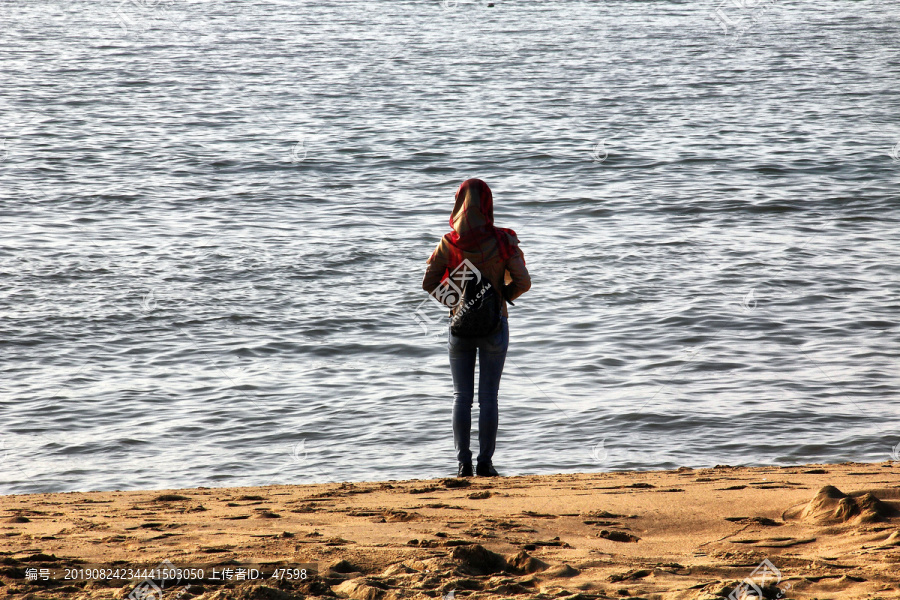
(398, 569)
(562, 570)
(254, 590)
(343, 566)
(364, 589)
(830, 506)
(873, 510)
(524, 563)
(477, 560)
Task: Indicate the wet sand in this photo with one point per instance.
(685, 534)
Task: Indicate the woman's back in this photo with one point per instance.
(508, 276)
(474, 251)
(492, 251)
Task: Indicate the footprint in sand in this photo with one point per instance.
(751, 520)
(400, 516)
(337, 541)
(537, 515)
(618, 536)
(633, 574)
(775, 542)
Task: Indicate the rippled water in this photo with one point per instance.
(215, 219)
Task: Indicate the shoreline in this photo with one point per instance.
(686, 534)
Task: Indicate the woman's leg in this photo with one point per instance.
(492, 352)
(462, 367)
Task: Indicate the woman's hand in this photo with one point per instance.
(508, 291)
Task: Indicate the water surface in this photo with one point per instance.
(216, 216)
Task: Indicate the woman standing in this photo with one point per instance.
(475, 249)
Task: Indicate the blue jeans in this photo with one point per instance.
(492, 350)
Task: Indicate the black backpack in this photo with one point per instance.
(478, 312)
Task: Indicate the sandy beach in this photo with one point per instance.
(808, 531)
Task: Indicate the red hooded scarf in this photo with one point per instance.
(472, 221)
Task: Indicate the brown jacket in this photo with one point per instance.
(510, 273)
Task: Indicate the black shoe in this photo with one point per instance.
(465, 470)
(486, 470)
